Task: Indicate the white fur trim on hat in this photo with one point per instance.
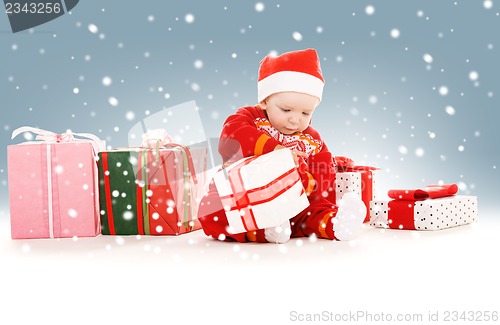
(290, 81)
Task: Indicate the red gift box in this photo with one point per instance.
(149, 192)
(353, 178)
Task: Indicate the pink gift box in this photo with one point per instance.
(53, 190)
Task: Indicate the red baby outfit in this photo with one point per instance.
(247, 133)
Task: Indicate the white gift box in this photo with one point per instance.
(431, 214)
(261, 191)
(347, 182)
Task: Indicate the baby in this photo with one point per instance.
(290, 87)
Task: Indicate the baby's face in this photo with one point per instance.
(290, 112)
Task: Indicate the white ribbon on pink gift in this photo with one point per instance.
(68, 137)
(49, 137)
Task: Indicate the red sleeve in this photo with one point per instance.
(321, 166)
(241, 138)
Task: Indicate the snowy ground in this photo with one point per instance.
(192, 279)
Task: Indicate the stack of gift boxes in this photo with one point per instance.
(68, 185)
(433, 207)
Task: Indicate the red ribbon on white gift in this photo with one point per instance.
(401, 207)
(49, 137)
(241, 197)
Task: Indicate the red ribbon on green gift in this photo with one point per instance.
(147, 159)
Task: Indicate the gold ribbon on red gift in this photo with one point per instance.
(242, 199)
(149, 152)
(160, 139)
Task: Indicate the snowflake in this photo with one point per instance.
(189, 18)
(93, 28)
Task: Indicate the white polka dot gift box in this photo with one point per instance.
(351, 178)
(419, 210)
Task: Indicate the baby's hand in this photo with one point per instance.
(295, 153)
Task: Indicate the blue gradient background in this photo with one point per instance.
(149, 51)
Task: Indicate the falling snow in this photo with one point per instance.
(113, 101)
(106, 81)
(93, 28)
(419, 152)
(297, 36)
(130, 116)
(395, 33)
(189, 18)
(450, 110)
(428, 58)
(443, 90)
(198, 64)
(419, 91)
(488, 4)
(473, 75)
(370, 10)
(72, 213)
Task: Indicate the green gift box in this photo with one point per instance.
(145, 191)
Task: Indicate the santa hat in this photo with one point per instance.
(297, 71)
